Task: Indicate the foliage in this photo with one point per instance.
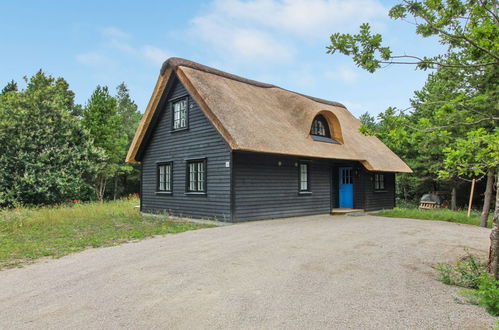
(471, 273)
(466, 274)
(100, 117)
(127, 111)
(450, 130)
(127, 179)
(10, 87)
(45, 154)
(30, 233)
(470, 26)
(488, 294)
(433, 214)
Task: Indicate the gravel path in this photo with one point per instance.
(299, 273)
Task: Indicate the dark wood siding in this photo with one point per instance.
(200, 140)
(263, 189)
(378, 200)
(364, 195)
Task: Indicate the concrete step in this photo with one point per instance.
(343, 211)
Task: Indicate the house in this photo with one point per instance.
(215, 145)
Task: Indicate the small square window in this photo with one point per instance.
(346, 176)
(165, 177)
(180, 114)
(304, 177)
(196, 176)
(379, 181)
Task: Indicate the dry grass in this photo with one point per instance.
(30, 233)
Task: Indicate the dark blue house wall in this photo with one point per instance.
(200, 140)
(266, 186)
(378, 200)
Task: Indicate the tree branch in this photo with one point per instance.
(490, 11)
(450, 35)
(421, 61)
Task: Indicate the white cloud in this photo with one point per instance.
(155, 54)
(356, 109)
(305, 17)
(115, 33)
(240, 42)
(343, 73)
(118, 40)
(272, 29)
(92, 58)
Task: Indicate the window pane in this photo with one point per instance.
(201, 176)
(180, 114)
(161, 174)
(192, 174)
(303, 176)
(168, 172)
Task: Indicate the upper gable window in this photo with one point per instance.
(180, 114)
(320, 127)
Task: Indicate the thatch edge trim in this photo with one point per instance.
(148, 114)
(177, 62)
(206, 109)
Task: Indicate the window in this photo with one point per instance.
(379, 181)
(196, 176)
(304, 177)
(180, 114)
(320, 127)
(346, 176)
(164, 183)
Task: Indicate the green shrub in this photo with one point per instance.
(488, 294)
(466, 274)
(472, 274)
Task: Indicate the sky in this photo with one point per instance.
(282, 42)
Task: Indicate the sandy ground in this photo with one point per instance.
(312, 272)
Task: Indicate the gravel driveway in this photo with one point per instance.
(315, 272)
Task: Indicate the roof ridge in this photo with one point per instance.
(175, 62)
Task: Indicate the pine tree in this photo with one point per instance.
(10, 87)
(127, 180)
(101, 119)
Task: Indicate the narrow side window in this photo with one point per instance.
(379, 181)
(304, 176)
(165, 177)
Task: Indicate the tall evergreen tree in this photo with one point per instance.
(45, 154)
(127, 180)
(128, 111)
(10, 87)
(101, 119)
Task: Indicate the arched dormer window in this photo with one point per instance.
(320, 127)
(321, 131)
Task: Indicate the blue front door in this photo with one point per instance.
(346, 187)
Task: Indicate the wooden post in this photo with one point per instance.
(471, 197)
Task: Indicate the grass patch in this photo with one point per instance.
(480, 288)
(30, 233)
(435, 214)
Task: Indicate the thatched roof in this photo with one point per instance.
(253, 116)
